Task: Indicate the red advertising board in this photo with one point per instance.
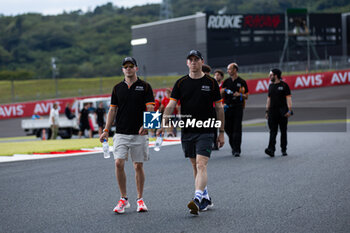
(43, 107)
(26, 109)
(333, 78)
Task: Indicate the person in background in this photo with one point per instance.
(164, 103)
(100, 117)
(54, 120)
(278, 110)
(84, 120)
(235, 92)
(35, 115)
(68, 111)
(206, 69)
(157, 102)
(218, 76)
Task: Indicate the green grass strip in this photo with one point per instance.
(11, 148)
(30, 147)
(17, 138)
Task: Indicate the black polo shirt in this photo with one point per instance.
(196, 98)
(100, 112)
(278, 93)
(237, 85)
(131, 103)
(84, 117)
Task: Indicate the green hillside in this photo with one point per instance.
(93, 44)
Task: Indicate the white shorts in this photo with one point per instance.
(135, 145)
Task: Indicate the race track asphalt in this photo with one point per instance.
(307, 191)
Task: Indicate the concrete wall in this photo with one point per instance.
(158, 57)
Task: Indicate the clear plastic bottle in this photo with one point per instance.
(158, 143)
(105, 147)
(228, 91)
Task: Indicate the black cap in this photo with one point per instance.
(195, 53)
(129, 59)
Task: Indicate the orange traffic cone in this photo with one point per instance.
(43, 134)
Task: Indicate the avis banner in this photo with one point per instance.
(42, 108)
(333, 78)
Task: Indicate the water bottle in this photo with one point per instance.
(105, 147)
(158, 143)
(228, 91)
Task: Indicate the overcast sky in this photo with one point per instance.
(52, 7)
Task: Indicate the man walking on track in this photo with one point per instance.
(278, 110)
(130, 98)
(235, 92)
(197, 92)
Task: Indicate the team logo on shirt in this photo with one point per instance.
(139, 88)
(239, 85)
(280, 88)
(151, 120)
(205, 88)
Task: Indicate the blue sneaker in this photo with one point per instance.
(206, 204)
(194, 206)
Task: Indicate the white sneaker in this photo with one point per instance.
(121, 206)
(141, 206)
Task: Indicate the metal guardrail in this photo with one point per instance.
(333, 63)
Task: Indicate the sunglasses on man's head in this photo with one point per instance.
(128, 66)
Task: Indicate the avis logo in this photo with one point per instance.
(151, 120)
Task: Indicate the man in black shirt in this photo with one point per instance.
(100, 117)
(84, 120)
(278, 109)
(197, 92)
(68, 111)
(130, 98)
(235, 92)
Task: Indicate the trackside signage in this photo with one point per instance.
(26, 109)
(262, 21)
(334, 78)
(42, 108)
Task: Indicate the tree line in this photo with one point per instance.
(90, 44)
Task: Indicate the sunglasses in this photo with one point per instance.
(128, 66)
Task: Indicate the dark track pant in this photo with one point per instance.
(233, 127)
(276, 119)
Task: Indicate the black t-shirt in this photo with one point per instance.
(196, 98)
(84, 117)
(131, 103)
(100, 112)
(237, 85)
(278, 93)
(68, 113)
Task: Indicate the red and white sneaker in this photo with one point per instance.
(121, 206)
(141, 206)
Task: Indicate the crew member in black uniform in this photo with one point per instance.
(100, 117)
(197, 92)
(84, 120)
(278, 110)
(235, 92)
